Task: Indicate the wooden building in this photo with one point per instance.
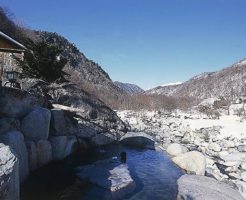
(10, 49)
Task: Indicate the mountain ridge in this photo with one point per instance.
(227, 82)
(129, 87)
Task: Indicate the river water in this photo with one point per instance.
(153, 172)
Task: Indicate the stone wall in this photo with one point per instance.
(37, 134)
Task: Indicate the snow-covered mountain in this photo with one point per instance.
(129, 88)
(230, 81)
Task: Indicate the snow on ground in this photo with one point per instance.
(231, 125)
(208, 102)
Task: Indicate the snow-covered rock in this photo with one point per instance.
(176, 149)
(16, 141)
(215, 147)
(109, 174)
(243, 166)
(204, 188)
(138, 139)
(243, 176)
(9, 174)
(193, 162)
(241, 187)
(221, 141)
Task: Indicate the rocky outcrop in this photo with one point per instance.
(9, 174)
(39, 132)
(80, 68)
(17, 103)
(205, 188)
(84, 109)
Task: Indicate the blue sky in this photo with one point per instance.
(147, 42)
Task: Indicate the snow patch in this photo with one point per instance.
(169, 84)
(231, 125)
(208, 102)
(240, 63)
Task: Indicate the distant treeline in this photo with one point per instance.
(124, 101)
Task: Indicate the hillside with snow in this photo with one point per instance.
(230, 81)
(129, 88)
(171, 84)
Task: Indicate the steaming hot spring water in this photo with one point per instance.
(153, 173)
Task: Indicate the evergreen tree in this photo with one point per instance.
(43, 61)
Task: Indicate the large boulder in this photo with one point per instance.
(138, 139)
(87, 130)
(236, 156)
(32, 155)
(103, 139)
(88, 106)
(176, 149)
(16, 141)
(192, 161)
(44, 152)
(9, 174)
(59, 144)
(58, 122)
(241, 187)
(72, 146)
(214, 147)
(36, 124)
(17, 103)
(193, 187)
(243, 176)
(8, 124)
(241, 148)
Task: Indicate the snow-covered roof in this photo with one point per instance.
(12, 40)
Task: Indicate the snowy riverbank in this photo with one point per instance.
(222, 141)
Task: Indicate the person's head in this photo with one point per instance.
(123, 157)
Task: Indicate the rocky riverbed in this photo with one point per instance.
(211, 147)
